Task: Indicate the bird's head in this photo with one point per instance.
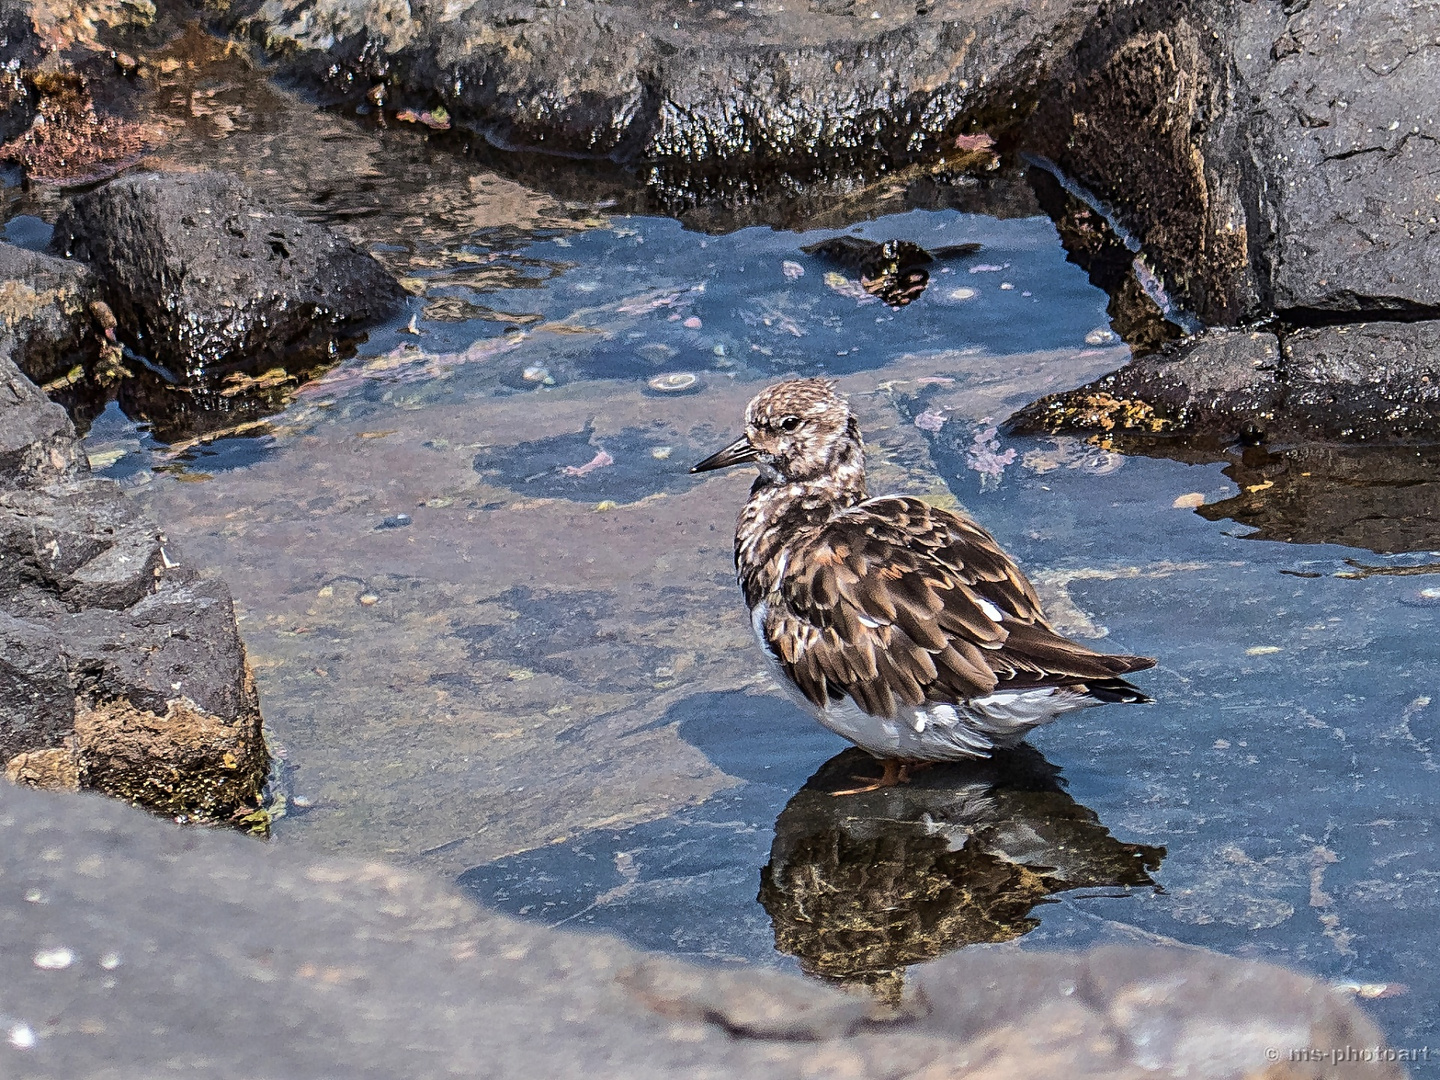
(796, 431)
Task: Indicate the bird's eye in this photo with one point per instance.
(789, 423)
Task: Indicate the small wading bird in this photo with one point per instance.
(902, 627)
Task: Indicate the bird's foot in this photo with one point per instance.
(896, 773)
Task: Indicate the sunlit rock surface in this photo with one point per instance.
(310, 967)
(203, 278)
(679, 83)
(120, 669)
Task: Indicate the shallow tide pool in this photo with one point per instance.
(496, 634)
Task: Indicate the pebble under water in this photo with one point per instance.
(541, 680)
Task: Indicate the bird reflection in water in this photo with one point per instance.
(860, 887)
(894, 271)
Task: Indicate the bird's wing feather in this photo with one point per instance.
(897, 602)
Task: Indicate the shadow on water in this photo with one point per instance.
(861, 886)
(857, 887)
(1382, 498)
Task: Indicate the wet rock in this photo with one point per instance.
(688, 86)
(202, 278)
(131, 915)
(172, 720)
(45, 309)
(1267, 157)
(1215, 383)
(19, 48)
(1091, 242)
(37, 440)
(757, 1005)
(1372, 382)
(120, 670)
(1368, 382)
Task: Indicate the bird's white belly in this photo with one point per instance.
(935, 731)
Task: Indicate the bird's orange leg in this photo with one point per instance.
(896, 773)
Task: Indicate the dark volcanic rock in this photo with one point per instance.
(1368, 382)
(120, 670)
(1373, 382)
(1268, 157)
(145, 951)
(818, 86)
(1221, 382)
(37, 440)
(202, 278)
(19, 48)
(79, 542)
(45, 309)
(37, 708)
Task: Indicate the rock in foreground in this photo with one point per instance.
(120, 670)
(142, 956)
(202, 278)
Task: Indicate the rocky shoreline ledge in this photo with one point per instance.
(1265, 162)
(265, 960)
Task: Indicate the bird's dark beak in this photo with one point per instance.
(737, 453)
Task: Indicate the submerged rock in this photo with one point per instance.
(895, 270)
(100, 978)
(120, 670)
(204, 279)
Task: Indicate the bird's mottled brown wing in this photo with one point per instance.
(898, 602)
